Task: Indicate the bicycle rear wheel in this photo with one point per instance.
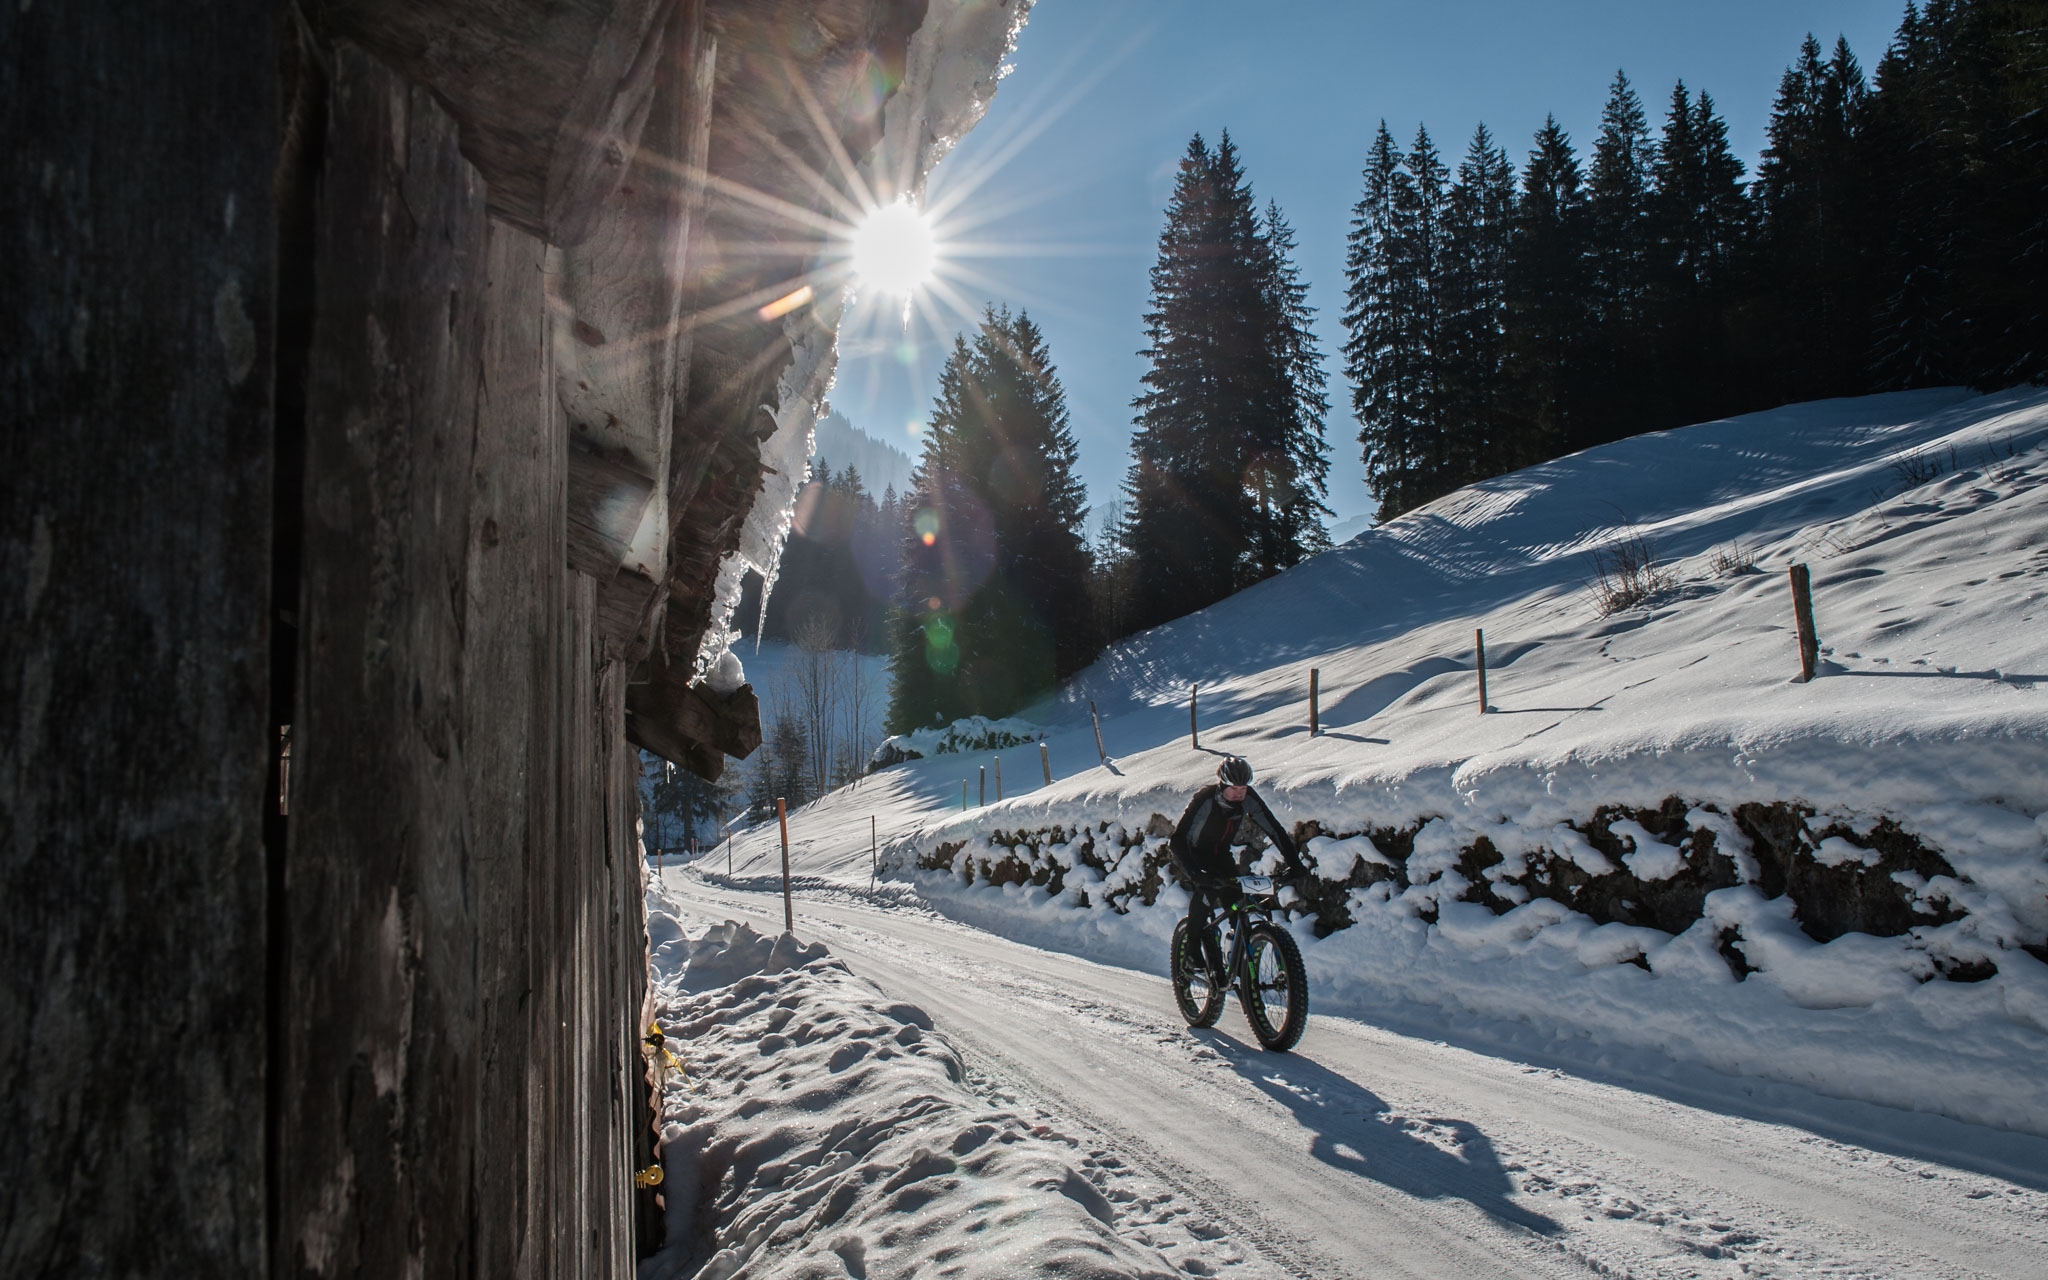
(1200, 1000)
(1274, 987)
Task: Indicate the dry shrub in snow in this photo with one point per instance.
(1626, 573)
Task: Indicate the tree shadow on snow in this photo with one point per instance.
(1430, 1157)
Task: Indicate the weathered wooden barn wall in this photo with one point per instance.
(449, 970)
(288, 445)
(464, 944)
(135, 477)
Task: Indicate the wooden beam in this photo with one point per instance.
(681, 722)
(606, 501)
(649, 734)
(550, 95)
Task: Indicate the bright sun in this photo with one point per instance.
(894, 250)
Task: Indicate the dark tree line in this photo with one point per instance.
(1896, 236)
(838, 568)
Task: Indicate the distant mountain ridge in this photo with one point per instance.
(839, 444)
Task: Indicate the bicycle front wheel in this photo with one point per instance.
(1274, 987)
(1200, 1000)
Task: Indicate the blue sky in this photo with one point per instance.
(1061, 189)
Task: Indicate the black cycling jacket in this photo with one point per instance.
(1202, 840)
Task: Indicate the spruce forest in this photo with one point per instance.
(1895, 236)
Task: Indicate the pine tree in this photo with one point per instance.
(780, 769)
(1419, 214)
(1390, 316)
(1110, 575)
(1958, 129)
(1700, 216)
(1616, 371)
(994, 605)
(1812, 204)
(1471, 363)
(1549, 295)
(1912, 342)
(1293, 467)
(924, 658)
(1218, 427)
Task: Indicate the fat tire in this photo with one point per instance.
(1273, 949)
(1187, 966)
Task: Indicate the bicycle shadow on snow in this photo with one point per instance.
(1354, 1130)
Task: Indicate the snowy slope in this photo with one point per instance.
(1929, 715)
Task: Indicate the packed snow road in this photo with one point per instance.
(1372, 1153)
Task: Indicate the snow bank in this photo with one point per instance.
(818, 1129)
(974, 733)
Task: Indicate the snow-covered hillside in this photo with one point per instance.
(840, 444)
(1656, 766)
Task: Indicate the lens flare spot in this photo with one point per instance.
(786, 303)
(940, 653)
(926, 523)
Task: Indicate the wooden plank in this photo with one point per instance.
(626, 605)
(136, 395)
(379, 1125)
(607, 498)
(511, 664)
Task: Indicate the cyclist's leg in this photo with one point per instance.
(1202, 925)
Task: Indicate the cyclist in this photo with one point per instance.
(1224, 814)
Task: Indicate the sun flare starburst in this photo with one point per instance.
(894, 249)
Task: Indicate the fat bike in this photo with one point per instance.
(1262, 961)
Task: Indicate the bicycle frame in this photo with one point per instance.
(1251, 904)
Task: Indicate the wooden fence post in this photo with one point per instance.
(874, 852)
(1802, 617)
(1479, 643)
(981, 796)
(1194, 735)
(788, 911)
(999, 779)
(1314, 679)
(1045, 760)
(1100, 755)
(963, 795)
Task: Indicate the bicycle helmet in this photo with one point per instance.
(1235, 771)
